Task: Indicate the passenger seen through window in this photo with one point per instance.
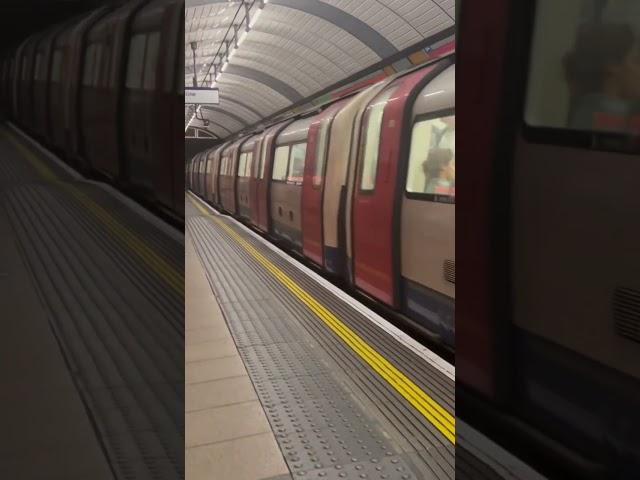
(432, 157)
(584, 69)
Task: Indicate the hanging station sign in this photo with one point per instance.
(201, 96)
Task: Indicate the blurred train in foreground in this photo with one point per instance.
(106, 91)
(548, 237)
(363, 187)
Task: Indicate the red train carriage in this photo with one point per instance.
(287, 173)
(381, 161)
(82, 84)
(260, 184)
(228, 174)
(548, 359)
(101, 89)
(150, 88)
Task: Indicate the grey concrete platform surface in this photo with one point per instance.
(92, 344)
(333, 415)
(224, 419)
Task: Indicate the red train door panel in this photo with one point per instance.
(374, 194)
(312, 198)
(313, 185)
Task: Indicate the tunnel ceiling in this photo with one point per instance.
(294, 49)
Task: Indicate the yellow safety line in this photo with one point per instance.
(151, 258)
(165, 270)
(429, 408)
(45, 172)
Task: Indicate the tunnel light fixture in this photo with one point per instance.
(243, 36)
(255, 19)
(234, 44)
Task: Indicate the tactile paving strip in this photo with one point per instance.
(125, 351)
(324, 425)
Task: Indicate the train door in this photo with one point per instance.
(374, 227)
(549, 320)
(313, 185)
(264, 175)
(575, 259)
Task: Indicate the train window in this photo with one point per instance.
(36, 70)
(97, 64)
(249, 164)
(242, 165)
(263, 157)
(432, 158)
(89, 63)
(321, 152)
(372, 126)
(225, 170)
(24, 67)
(296, 165)
(56, 66)
(281, 163)
(584, 72)
(135, 62)
(151, 60)
(105, 64)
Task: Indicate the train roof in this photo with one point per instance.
(439, 94)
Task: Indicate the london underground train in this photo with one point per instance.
(548, 301)
(364, 188)
(105, 90)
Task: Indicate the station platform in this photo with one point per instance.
(289, 377)
(92, 343)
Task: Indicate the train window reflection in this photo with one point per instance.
(56, 66)
(89, 58)
(24, 67)
(249, 166)
(280, 163)
(135, 62)
(296, 166)
(371, 141)
(321, 153)
(585, 66)
(242, 165)
(432, 157)
(263, 158)
(37, 74)
(151, 60)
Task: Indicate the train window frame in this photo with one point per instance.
(132, 83)
(615, 142)
(423, 196)
(381, 99)
(275, 158)
(290, 163)
(317, 179)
